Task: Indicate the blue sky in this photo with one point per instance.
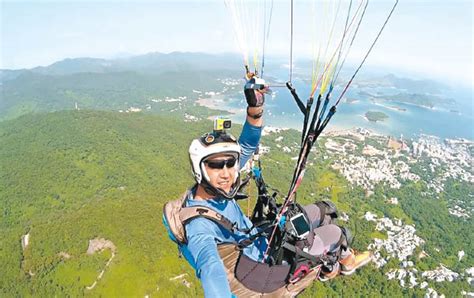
(427, 38)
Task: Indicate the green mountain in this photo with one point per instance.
(116, 84)
(410, 85)
(155, 63)
(33, 92)
(74, 179)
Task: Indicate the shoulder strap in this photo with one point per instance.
(177, 215)
(186, 214)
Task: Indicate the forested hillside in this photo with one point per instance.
(69, 177)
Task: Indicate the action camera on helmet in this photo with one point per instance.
(221, 124)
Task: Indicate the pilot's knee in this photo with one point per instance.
(322, 213)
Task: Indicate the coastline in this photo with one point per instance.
(288, 121)
(393, 108)
(216, 102)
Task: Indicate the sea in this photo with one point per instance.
(444, 120)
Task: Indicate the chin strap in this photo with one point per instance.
(217, 192)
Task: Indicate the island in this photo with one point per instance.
(374, 116)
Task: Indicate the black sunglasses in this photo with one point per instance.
(219, 164)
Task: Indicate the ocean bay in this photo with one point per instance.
(451, 115)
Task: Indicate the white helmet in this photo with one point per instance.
(210, 144)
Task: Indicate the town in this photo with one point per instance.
(392, 161)
(367, 159)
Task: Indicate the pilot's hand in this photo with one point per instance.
(254, 91)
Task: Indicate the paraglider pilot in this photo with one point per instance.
(216, 159)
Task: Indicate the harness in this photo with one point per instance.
(286, 276)
(176, 215)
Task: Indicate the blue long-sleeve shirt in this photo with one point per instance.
(204, 235)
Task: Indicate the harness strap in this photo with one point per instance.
(186, 214)
(246, 242)
(299, 252)
(326, 208)
(346, 237)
